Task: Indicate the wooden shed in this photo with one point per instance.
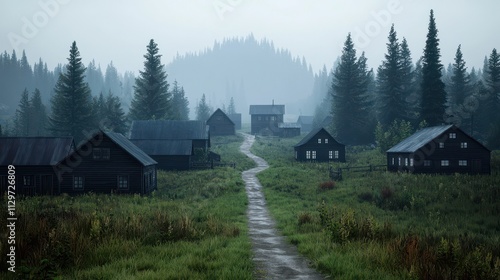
(34, 160)
(236, 118)
(220, 124)
(265, 118)
(306, 123)
(442, 149)
(319, 145)
(107, 162)
(287, 130)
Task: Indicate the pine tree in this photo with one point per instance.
(351, 116)
(433, 102)
(23, 115)
(493, 81)
(231, 109)
(151, 96)
(408, 82)
(203, 110)
(116, 120)
(180, 104)
(72, 102)
(459, 89)
(39, 115)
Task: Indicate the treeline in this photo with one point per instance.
(367, 106)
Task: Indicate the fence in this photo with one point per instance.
(337, 174)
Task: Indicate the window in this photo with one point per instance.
(399, 161)
(28, 181)
(406, 161)
(101, 153)
(441, 145)
(326, 140)
(259, 118)
(427, 163)
(273, 118)
(330, 154)
(336, 154)
(411, 162)
(296, 154)
(393, 161)
(453, 135)
(319, 140)
(463, 145)
(445, 163)
(462, 163)
(313, 154)
(122, 182)
(78, 182)
(308, 154)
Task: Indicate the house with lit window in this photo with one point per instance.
(32, 161)
(442, 149)
(318, 145)
(107, 162)
(265, 119)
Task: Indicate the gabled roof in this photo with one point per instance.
(311, 135)
(305, 119)
(34, 150)
(165, 147)
(130, 148)
(220, 113)
(169, 129)
(267, 109)
(289, 125)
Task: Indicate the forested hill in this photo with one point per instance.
(252, 72)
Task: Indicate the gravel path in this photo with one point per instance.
(274, 257)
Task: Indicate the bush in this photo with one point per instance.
(305, 218)
(328, 185)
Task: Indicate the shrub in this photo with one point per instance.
(328, 185)
(305, 218)
(386, 193)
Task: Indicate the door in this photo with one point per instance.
(47, 184)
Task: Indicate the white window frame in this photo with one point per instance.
(453, 135)
(393, 161)
(463, 163)
(308, 154)
(445, 163)
(326, 140)
(313, 155)
(406, 161)
(78, 183)
(330, 154)
(319, 140)
(123, 184)
(411, 162)
(464, 145)
(336, 154)
(441, 145)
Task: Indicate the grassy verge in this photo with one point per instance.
(193, 227)
(384, 225)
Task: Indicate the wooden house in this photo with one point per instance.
(34, 160)
(319, 145)
(107, 162)
(287, 130)
(265, 118)
(170, 154)
(442, 149)
(236, 119)
(306, 123)
(220, 124)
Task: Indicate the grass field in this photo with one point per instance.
(193, 227)
(384, 225)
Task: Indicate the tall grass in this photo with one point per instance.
(384, 225)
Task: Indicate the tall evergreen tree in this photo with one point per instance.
(39, 115)
(459, 89)
(72, 102)
(203, 110)
(408, 81)
(116, 120)
(151, 97)
(493, 80)
(350, 112)
(23, 115)
(180, 104)
(433, 103)
(231, 108)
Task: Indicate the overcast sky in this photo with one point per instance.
(119, 31)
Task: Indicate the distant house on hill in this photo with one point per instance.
(236, 118)
(265, 118)
(220, 124)
(107, 162)
(306, 123)
(442, 149)
(34, 159)
(319, 145)
(173, 144)
(287, 130)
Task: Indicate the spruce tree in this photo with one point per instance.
(180, 104)
(493, 81)
(72, 102)
(23, 115)
(231, 109)
(39, 115)
(203, 110)
(116, 120)
(351, 116)
(151, 95)
(433, 102)
(408, 83)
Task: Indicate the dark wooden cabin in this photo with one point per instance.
(34, 159)
(236, 118)
(170, 154)
(287, 130)
(220, 124)
(265, 119)
(197, 131)
(319, 145)
(442, 149)
(306, 123)
(107, 163)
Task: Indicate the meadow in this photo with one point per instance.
(382, 225)
(193, 227)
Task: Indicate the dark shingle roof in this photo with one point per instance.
(305, 119)
(34, 150)
(165, 147)
(267, 109)
(313, 133)
(168, 129)
(419, 139)
(219, 112)
(132, 149)
(289, 125)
